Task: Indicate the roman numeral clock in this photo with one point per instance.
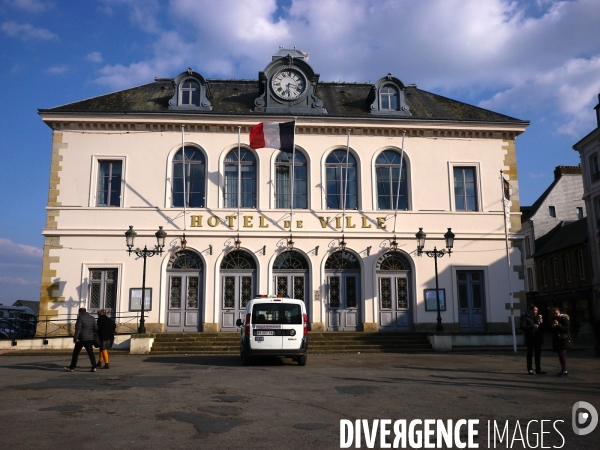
(288, 86)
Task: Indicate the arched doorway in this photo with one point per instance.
(290, 273)
(238, 279)
(342, 271)
(184, 299)
(395, 312)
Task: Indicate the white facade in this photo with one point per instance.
(84, 240)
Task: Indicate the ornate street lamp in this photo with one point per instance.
(435, 254)
(130, 235)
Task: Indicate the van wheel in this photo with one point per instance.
(302, 360)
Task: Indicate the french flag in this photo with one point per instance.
(278, 135)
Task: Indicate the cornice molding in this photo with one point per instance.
(442, 130)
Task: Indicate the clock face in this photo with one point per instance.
(288, 84)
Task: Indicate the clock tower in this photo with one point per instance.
(288, 85)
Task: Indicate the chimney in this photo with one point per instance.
(566, 170)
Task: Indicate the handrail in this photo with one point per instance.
(57, 326)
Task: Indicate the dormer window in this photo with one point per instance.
(388, 98)
(190, 93)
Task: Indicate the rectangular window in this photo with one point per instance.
(552, 211)
(555, 270)
(579, 213)
(530, 279)
(567, 268)
(527, 247)
(103, 289)
(465, 192)
(109, 183)
(580, 265)
(543, 274)
(594, 167)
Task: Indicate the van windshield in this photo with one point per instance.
(277, 313)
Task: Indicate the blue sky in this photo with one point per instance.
(537, 60)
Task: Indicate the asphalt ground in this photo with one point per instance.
(213, 402)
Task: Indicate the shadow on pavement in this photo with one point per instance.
(218, 360)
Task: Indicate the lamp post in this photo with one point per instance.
(158, 249)
(435, 254)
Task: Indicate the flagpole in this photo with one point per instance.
(512, 309)
(346, 181)
(399, 181)
(293, 173)
(239, 199)
(184, 197)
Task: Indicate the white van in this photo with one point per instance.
(274, 327)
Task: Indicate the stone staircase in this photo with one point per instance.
(318, 343)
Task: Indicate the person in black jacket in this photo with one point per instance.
(106, 332)
(531, 323)
(561, 339)
(85, 327)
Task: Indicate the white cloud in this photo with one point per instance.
(169, 52)
(19, 281)
(27, 31)
(95, 57)
(519, 57)
(537, 175)
(56, 70)
(20, 269)
(11, 252)
(567, 91)
(32, 5)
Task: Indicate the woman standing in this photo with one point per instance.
(561, 338)
(106, 333)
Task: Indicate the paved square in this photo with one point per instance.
(213, 402)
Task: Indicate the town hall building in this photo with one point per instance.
(331, 221)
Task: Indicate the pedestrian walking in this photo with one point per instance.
(106, 332)
(561, 339)
(531, 324)
(85, 327)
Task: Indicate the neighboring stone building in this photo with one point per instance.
(561, 203)
(589, 152)
(117, 162)
(564, 273)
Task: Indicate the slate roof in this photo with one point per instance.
(236, 97)
(527, 212)
(564, 235)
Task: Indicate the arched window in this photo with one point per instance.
(248, 183)
(185, 260)
(291, 260)
(283, 182)
(339, 189)
(393, 261)
(190, 93)
(195, 170)
(342, 260)
(238, 260)
(387, 169)
(389, 98)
